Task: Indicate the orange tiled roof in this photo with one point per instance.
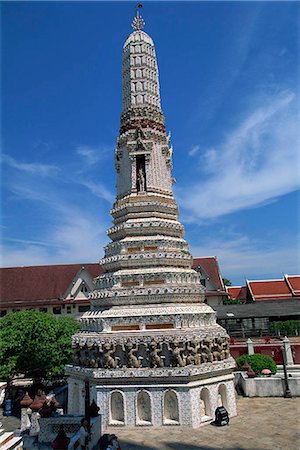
(293, 281)
(269, 290)
(211, 266)
(237, 292)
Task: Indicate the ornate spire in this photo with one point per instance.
(138, 22)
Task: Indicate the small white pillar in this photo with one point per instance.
(250, 347)
(288, 351)
(35, 426)
(25, 421)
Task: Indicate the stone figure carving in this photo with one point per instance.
(108, 356)
(141, 180)
(94, 359)
(76, 357)
(217, 349)
(226, 348)
(206, 354)
(177, 353)
(132, 359)
(155, 358)
(193, 356)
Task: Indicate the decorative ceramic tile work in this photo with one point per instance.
(150, 344)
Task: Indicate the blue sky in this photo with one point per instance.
(229, 77)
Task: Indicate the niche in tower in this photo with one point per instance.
(140, 174)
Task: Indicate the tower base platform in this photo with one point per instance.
(186, 396)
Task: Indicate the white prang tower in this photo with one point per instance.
(150, 347)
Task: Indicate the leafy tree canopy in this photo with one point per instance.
(36, 344)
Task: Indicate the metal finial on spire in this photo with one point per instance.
(138, 22)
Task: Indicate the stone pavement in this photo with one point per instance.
(262, 424)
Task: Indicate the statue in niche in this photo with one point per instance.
(171, 405)
(141, 181)
(193, 356)
(108, 356)
(206, 354)
(132, 360)
(177, 350)
(155, 358)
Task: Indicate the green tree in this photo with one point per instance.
(35, 344)
(226, 282)
(232, 301)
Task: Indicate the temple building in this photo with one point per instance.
(150, 351)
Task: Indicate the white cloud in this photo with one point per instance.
(71, 234)
(91, 155)
(257, 162)
(194, 150)
(76, 238)
(99, 190)
(240, 257)
(30, 168)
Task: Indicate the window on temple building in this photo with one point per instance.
(56, 310)
(83, 308)
(84, 289)
(3, 313)
(43, 309)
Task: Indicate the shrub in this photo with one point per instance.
(257, 362)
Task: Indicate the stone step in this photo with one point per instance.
(5, 437)
(2, 431)
(15, 443)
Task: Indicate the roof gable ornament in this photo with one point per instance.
(138, 22)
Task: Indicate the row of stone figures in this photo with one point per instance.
(153, 354)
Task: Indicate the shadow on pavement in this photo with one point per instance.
(182, 446)
(127, 445)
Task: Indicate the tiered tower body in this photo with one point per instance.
(150, 347)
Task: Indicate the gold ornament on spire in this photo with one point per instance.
(138, 22)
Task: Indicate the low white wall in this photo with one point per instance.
(267, 386)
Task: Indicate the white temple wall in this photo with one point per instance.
(76, 396)
(193, 408)
(158, 174)
(124, 173)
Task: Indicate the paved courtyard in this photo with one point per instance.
(262, 424)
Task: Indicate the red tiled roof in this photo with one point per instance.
(237, 292)
(211, 267)
(293, 281)
(269, 290)
(25, 286)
